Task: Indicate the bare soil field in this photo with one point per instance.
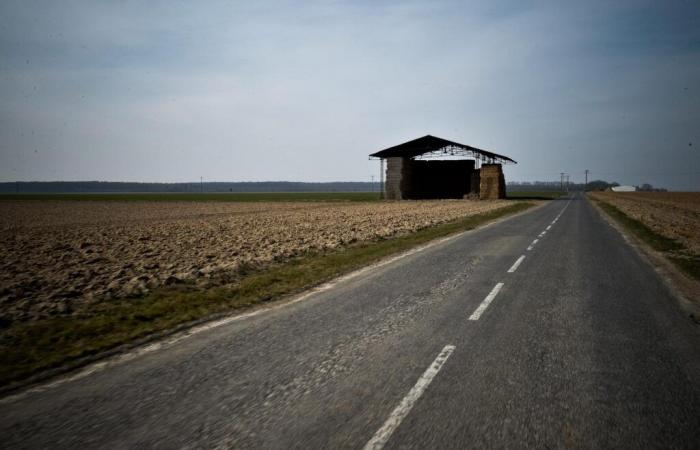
(56, 255)
(675, 215)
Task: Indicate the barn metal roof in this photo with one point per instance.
(435, 146)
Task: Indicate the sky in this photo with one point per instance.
(172, 91)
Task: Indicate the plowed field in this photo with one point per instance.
(55, 255)
(675, 215)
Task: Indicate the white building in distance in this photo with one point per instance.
(624, 189)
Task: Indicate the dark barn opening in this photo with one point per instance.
(436, 179)
(415, 171)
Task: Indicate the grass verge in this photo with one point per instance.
(34, 346)
(535, 195)
(675, 251)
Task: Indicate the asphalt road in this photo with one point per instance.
(580, 345)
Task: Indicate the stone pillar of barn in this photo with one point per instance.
(492, 183)
(394, 174)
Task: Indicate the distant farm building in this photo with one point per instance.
(624, 188)
(432, 168)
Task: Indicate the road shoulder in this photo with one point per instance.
(685, 289)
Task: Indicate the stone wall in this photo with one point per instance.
(394, 171)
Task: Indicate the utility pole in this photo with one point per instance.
(561, 183)
(567, 183)
(585, 187)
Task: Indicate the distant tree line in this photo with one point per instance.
(67, 187)
(595, 185)
(600, 185)
(532, 186)
(646, 187)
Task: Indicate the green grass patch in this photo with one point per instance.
(690, 265)
(32, 346)
(655, 240)
(535, 195)
(205, 197)
(675, 251)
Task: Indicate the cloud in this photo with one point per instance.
(164, 91)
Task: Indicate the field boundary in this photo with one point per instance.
(244, 197)
(393, 249)
(680, 282)
(354, 196)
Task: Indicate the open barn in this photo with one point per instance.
(432, 168)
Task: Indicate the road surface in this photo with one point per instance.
(489, 339)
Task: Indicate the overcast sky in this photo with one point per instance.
(254, 90)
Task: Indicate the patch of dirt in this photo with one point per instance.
(56, 255)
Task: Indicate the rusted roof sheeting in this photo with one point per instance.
(427, 144)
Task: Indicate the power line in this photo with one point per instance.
(628, 174)
(530, 174)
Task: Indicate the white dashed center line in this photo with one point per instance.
(487, 301)
(381, 437)
(549, 227)
(515, 265)
(531, 246)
